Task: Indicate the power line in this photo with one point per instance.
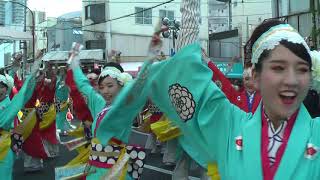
(176, 2)
(130, 15)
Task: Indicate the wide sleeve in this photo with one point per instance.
(226, 86)
(189, 32)
(17, 103)
(182, 88)
(95, 101)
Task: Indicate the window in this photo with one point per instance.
(95, 12)
(87, 12)
(143, 16)
(77, 31)
(166, 13)
(96, 44)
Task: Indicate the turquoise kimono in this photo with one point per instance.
(62, 95)
(182, 88)
(8, 112)
(96, 104)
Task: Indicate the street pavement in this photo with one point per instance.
(154, 168)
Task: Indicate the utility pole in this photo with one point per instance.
(173, 28)
(314, 22)
(25, 29)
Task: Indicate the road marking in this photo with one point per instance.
(166, 171)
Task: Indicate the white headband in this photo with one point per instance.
(270, 39)
(3, 79)
(115, 73)
(247, 72)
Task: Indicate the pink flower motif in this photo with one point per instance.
(239, 143)
(311, 151)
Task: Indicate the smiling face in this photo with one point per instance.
(283, 82)
(109, 88)
(248, 83)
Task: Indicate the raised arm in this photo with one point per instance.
(17, 103)
(95, 101)
(226, 86)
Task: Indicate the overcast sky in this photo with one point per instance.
(55, 8)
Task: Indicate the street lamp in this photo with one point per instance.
(32, 31)
(173, 29)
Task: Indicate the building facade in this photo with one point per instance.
(131, 34)
(218, 20)
(299, 15)
(12, 15)
(60, 34)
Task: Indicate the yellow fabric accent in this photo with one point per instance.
(28, 122)
(48, 118)
(37, 103)
(213, 171)
(82, 157)
(79, 132)
(5, 143)
(64, 106)
(95, 140)
(145, 126)
(20, 114)
(119, 169)
(164, 130)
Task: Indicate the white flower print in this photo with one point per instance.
(183, 101)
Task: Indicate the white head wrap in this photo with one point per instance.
(115, 73)
(247, 72)
(270, 39)
(7, 80)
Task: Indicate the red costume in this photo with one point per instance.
(80, 108)
(238, 98)
(33, 145)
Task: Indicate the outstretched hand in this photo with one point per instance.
(156, 42)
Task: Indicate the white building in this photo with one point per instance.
(248, 14)
(218, 19)
(12, 16)
(131, 35)
(297, 14)
(42, 33)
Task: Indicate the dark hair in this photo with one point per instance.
(110, 64)
(3, 84)
(312, 103)
(298, 49)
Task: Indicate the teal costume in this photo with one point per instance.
(62, 95)
(96, 104)
(8, 111)
(182, 88)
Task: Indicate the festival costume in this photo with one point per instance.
(238, 98)
(83, 114)
(220, 131)
(46, 112)
(108, 157)
(8, 112)
(62, 104)
(33, 144)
